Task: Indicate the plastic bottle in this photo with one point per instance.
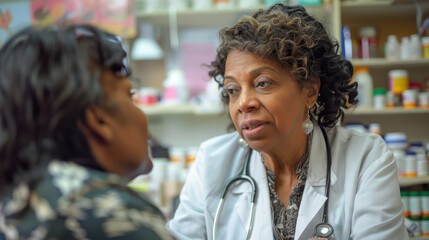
(422, 164)
(416, 47)
(368, 42)
(248, 3)
(415, 207)
(201, 4)
(410, 164)
(175, 87)
(392, 48)
(424, 197)
(405, 198)
(398, 81)
(374, 128)
(424, 100)
(365, 87)
(380, 98)
(424, 225)
(397, 142)
(409, 98)
(405, 48)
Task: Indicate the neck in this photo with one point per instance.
(285, 158)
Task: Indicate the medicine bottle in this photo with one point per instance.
(397, 142)
(392, 48)
(415, 209)
(365, 87)
(422, 164)
(398, 81)
(409, 98)
(405, 199)
(416, 47)
(424, 100)
(424, 197)
(424, 225)
(405, 48)
(380, 98)
(410, 164)
(368, 42)
(390, 99)
(374, 128)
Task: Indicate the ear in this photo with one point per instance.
(95, 124)
(312, 92)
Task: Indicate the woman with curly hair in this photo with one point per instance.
(70, 139)
(286, 87)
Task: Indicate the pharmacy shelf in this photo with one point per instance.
(182, 109)
(420, 238)
(213, 16)
(410, 181)
(386, 111)
(384, 63)
(379, 9)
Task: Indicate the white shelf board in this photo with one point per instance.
(384, 63)
(184, 109)
(410, 181)
(379, 9)
(420, 238)
(386, 111)
(213, 16)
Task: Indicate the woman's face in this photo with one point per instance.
(266, 104)
(129, 124)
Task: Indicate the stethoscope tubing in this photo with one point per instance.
(244, 176)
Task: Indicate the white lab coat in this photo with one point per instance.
(364, 201)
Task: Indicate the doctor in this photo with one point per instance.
(285, 86)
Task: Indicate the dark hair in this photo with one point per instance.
(48, 78)
(298, 42)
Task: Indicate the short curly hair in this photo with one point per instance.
(297, 41)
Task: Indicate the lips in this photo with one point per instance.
(252, 128)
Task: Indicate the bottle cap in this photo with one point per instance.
(361, 69)
(424, 193)
(410, 153)
(380, 91)
(405, 193)
(414, 194)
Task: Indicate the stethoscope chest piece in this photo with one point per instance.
(324, 230)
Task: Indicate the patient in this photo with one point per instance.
(71, 138)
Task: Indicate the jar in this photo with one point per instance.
(410, 164)
(365, 87)
(416, 47)
(425, 43)
(424, 99)
(380, 98)
(415, 209)
(398, 81)
(405, 199)
(424, 198)
(148, 96)
(409, 98)
(405, 48)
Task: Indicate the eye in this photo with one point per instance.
(132, 92)
(263, 83)
(231, 90)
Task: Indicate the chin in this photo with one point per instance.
(144, 168)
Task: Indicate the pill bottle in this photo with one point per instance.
(374, 128)
(409, 98)
(424, 198)
(191, 154)
(405, 199)
(415, 47)
(424, 226)
(380, 98)
(424, 100)
(390, 99)
(397, 142)
(392, 48)
(398, 81)
(365, 87)
(415, 206)
(425, 43)
(410, 164)
(368, 42)
(405, 48)
(422, 164)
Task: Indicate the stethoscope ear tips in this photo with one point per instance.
(243, 143)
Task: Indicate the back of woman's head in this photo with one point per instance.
(48, 78)
(292, 38)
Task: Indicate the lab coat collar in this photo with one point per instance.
(310, 210)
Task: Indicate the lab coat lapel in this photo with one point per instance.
(261, 227)
(313, 199)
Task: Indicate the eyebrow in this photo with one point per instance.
(263, 68)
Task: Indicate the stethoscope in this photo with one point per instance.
(323, 229)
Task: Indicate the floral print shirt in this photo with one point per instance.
(74, 202)
(284, 219)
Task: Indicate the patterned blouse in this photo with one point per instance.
(284, 219)
(75, 202)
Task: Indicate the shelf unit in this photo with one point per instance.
(411, 181)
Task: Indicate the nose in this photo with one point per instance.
(248, 102)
